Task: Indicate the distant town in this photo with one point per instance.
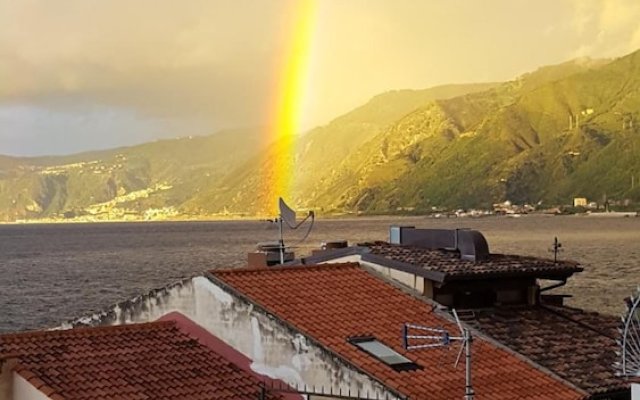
(115, 210)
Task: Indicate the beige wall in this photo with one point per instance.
(23, 390)
(346, 259)
(6, 379)
(409, 280)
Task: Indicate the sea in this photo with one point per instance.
(52, 273)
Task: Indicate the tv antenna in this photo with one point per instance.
(288, 216)
(416, 337)
(556, 248)
(629, 341)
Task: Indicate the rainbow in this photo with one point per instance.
(290, 91)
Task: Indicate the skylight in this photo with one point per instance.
(384, 353)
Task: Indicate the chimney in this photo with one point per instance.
(334, 244)
(267, 254)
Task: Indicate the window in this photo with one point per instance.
(384, 353)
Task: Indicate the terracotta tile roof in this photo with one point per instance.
(141, 361)
(577, 345)
(449, 266)
(332, 303)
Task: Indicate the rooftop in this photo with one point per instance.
(579, 346)
(156, 360)
(333, 304)
(445, 265)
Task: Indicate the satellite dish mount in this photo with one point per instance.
(288, 216)
(629, 340)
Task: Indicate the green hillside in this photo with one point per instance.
(118, 183)
(563, 131)
(511, 142)
(319, 153)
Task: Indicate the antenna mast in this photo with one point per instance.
(556, 248)
(438, 337)
(281, 241)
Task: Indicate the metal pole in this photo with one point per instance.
(281, 241)
(263, 393)
(468, 391)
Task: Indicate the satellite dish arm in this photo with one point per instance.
(288, 216)
(306, 235)
(296, 226)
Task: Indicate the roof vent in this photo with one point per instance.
(425, 238)
(471, 244)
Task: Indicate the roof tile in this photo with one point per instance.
(141, 361)
(577, 345)
(331, 303)
(450, 264)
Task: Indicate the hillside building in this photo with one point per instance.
(580, 202)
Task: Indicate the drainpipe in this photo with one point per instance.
(555, 285)
(455, 243)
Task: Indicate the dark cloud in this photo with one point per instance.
(156, 65)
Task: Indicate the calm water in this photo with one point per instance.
(52, 273)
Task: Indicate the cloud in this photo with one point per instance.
(157, 57)
(606, 28)
(209, 64)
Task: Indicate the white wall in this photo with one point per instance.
(407, 279)
(23, 390)
(176, 297)
(276, 350)
(635, 391)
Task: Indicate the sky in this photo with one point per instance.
(78, 75)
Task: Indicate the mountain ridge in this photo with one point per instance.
(558, 132)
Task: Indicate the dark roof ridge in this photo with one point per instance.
(529, 257)
(87, 330)
(445, 251)
(575, 321)
(248, 270)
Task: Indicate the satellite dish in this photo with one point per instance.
(629, 341)
(288, 216)
(286, 213)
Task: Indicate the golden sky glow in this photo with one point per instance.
(289, 99)
(78, 74)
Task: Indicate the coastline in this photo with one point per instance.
(325, 217)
